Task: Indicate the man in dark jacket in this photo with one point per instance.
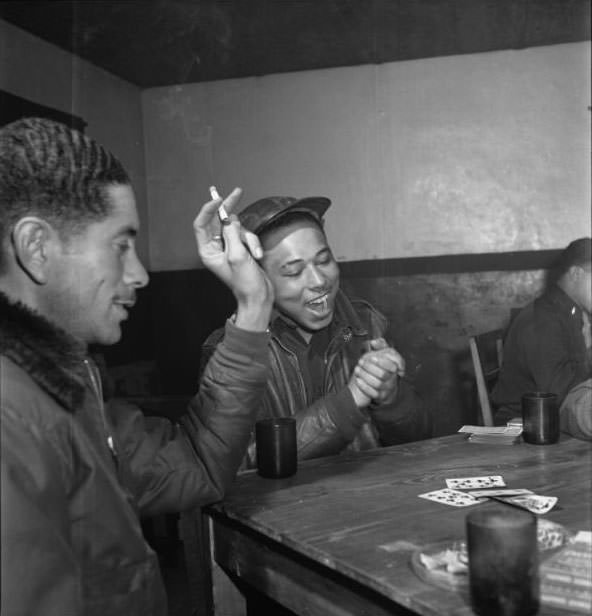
(75, 479)
(547, 347)
(331, 367)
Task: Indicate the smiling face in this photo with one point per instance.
(304, 274)
(94, 275)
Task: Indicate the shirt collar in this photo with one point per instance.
(559, 298)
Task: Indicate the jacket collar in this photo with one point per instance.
(346, 316)
(53, 358)
(562, 302)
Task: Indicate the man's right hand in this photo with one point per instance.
(231, 253)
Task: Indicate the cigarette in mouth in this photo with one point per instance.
(324, 304)
(222, 213)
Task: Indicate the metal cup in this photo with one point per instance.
(503, 562)
(275, 440)
(540, 418)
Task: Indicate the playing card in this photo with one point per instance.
(500, 492)
(534, 502)
(551, 535)
(446, 496)
(475, 483)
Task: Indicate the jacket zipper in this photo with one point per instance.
(336, 343)
(98, 391)
(333, 347)
(294, 361)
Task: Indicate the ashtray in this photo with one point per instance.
(446, 563)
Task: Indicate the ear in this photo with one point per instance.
(577, 272)
(30, 241)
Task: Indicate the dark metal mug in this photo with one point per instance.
(503, 562)
(540, 418)
(275, 440)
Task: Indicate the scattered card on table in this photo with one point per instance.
(499, 492)
(446, 496)
(534, 502)
(476, 483)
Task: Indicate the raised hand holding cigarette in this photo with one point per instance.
(250, 240)
(222, 213)
(231, 253)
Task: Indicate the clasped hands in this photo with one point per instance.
(375, 377)
(231, 253)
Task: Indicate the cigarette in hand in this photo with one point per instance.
(222, 213)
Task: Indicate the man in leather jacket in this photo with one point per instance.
(75, 475)
(331, 367)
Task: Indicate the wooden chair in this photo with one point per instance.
(487, 355)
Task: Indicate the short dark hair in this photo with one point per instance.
(57, 173)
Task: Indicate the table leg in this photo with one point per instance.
(194, 532)
(212, 591)
(228, 599)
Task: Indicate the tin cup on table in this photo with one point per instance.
(540, 418)
(275, 440)
(503, 562)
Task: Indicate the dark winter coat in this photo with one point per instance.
(76, 475)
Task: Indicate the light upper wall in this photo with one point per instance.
(462, 154)
(47, 75)
(472, 153)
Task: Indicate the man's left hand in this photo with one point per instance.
(378, 371)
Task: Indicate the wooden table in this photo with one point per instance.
(336, 539)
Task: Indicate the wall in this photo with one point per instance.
(461, 154)
(45, 74)
(458, 156)
(431, 317)
(455, 181)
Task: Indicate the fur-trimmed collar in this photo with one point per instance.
(48, 354)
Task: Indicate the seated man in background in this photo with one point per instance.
(74, 477)
(331, 367)
(548, 347)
